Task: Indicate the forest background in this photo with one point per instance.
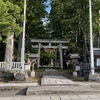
(67, 20)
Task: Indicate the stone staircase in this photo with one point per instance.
(54, 83)
(52, 77)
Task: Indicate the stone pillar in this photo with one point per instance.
(51, 64)
(61, 58)
(49, 44)
(33, 72)
(39, 49)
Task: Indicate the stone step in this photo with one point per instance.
(58, 80)
(43, 90)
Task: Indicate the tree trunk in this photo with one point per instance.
(20, 43)
(9, 52)
(99, 32)
(84, 47)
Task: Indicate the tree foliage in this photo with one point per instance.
(9, 17)
(69, 19)
(46, 54)
(34, 25)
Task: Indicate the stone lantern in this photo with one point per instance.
(33, 58)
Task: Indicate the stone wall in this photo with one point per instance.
(6, 76)
(94, 77)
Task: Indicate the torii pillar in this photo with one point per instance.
(61, 58)
(39, 49)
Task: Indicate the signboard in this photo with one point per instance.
(98, 62)
(77, 68)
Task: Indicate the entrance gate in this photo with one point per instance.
(59, 45)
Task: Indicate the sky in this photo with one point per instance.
(45, 21)
(48, 4)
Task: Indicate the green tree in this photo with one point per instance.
(9, 16)
(9, 27)
(70, 20)
(34, 25)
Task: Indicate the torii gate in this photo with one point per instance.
(50, 42)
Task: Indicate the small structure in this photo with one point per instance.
(74, 58)
(71, 58)
(33, 58)
(97, 57)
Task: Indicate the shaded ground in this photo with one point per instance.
(13, 92)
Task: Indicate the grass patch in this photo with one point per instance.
(2, 82)
(79, 79)
(40, 69)
(34, 79)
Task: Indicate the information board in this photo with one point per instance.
(98, 62)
